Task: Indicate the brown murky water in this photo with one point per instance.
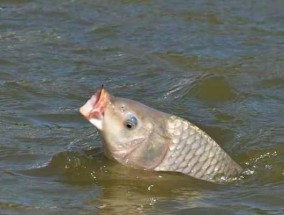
(219, 64)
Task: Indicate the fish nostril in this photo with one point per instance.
(122, 108)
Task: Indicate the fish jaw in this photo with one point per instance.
(93, 110)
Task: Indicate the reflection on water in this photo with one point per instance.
(218, 64)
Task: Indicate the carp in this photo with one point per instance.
(139, 136)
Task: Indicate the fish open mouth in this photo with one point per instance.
(95, 106)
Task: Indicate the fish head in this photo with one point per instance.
(132, 133)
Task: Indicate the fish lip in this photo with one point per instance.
(96, 105)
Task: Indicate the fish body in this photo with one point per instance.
(141, 137)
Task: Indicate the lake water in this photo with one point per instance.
(219, 64)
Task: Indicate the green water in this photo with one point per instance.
(219, 64)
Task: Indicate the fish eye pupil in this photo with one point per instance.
(131, 122)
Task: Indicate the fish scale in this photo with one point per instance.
(196, 154)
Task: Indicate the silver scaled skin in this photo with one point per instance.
(194, 153)
(141, 137)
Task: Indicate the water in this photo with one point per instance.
(217, 63)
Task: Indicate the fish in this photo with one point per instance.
(142, 137)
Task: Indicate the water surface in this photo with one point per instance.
(218, 64)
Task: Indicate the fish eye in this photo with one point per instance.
(131, 122)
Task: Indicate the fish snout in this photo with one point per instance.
(94, 108)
